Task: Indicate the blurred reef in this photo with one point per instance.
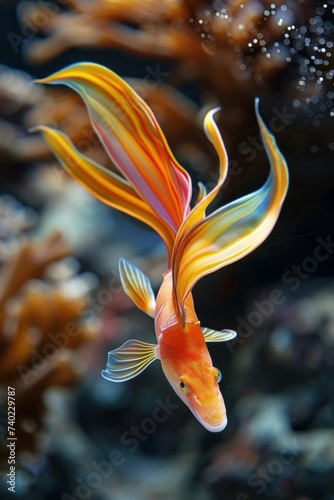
(79, 436)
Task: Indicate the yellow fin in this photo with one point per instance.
(106, 185)
(218, 336)
(137, 286)
(232, 231)
(133, 140)
(129, 360)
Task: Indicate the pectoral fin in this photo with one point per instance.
(137, 286)
(216, 336)
(129, 360)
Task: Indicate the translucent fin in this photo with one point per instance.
(216, 336)
(137, 286)
(129, 360)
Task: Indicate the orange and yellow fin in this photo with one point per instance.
(137, 286)
(232, 231)
(133, 139)
(107, 186)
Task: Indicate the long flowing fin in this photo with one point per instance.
(204, 199)
(129, 360)
(133, 139)
(234, 230)
(197, 214)
(218, 336)
(137, 286)
(201, 193)
(104, 184)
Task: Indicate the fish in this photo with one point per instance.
(149, 184)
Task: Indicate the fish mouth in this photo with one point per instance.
(212, 420)
(216, 428)
(212, 427)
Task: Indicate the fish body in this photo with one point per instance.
(185, 358)
(181, 348)
(155, 189)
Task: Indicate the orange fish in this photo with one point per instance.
(154, 188)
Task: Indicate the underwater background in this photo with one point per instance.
(61, 304)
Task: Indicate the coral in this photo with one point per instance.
(23, 105)
(15, 220)
(105, 23)
(41, 330)
(228, 51)
(226, 45)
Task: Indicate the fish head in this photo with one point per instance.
(188, 367)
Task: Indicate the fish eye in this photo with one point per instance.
(183, 386)
(218, 375)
